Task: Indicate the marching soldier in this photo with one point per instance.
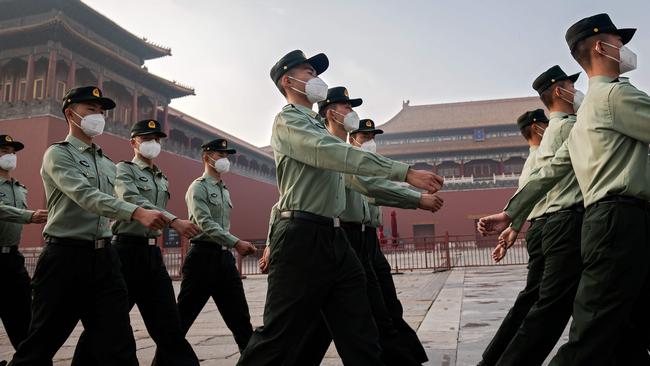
(563, 210)
(209, 270)
(533, 126)
(78, 274)
(14, 279)
(148, 283)
(312, 266)
(337, 111)
(608, 151)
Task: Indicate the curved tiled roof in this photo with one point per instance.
(451, 146)
(435, 117)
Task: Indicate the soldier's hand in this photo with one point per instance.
(493, 224)
(185, 228)
(428, 181)
(153, 219)
(499, 252)
(39, 217)
(264, 261)
(430, 202)
(245, 248)
(508, 237)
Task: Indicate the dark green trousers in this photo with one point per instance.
(15, 307)
(546, 320)
(393, 305)
(526, 298)
(73, 283)
(313, 269)
(317, 339)
(150, 287)
(610, 312)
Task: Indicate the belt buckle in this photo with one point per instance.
(100, 244)
(337, 222)
(151, 241)
(5, 250)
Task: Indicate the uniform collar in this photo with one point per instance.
(3, 180)
(210, 179)
(142, 165)
(82, 146)
(600, 79)
(308, 111)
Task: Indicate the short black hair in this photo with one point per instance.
(547, 95)
(279, 83)
(527, 132)
(581, 52)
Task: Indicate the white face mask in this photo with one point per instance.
(315, 89)
(8, 161)
(221, 165)
(627, 61)
(350, 120)
(92, 125)
(369, 146)
(149, 149)
(577, 99)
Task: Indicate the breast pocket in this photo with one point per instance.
(216, 205)
(109, 186)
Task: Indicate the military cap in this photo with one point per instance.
(552, 76)
(529, 117)
(218, 145)
(87, 94)
(367, 125)
(147, 127)
(6, 140)
(593, 25)
(320, 62)
(339, 94)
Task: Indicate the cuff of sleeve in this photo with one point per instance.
(125, 211)
(413, 199)
(231, 240)
(398, 171)
(517, 220)
(169, 215)
(27, 216)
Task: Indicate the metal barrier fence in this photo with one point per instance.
(404, 254)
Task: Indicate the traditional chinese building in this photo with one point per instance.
(50, 46)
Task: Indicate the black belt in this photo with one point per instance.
(9, 250)
(353, 226)
(207, 245)
(627, 200)
(134, 240)
(307, 216)
(543, 217)
(91, 244)
(577, 208)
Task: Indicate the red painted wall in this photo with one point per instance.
(252, 200)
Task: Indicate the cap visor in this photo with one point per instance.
(16, 145)
(106, 103)
(319, 62)
(626, 34)
(231, 151)
(356, 102)
(161, 134)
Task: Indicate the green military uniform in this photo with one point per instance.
(209, 269)
(563, 209)
(14, 279)
(608, 151)
(147, 280)
(529, 295)
(78, 275)
(312, 265)
(317, 340)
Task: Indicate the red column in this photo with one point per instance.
(462, 168)
(434, 168)
(502, 169)
(72, 75)
(29, 93)
(166, 126)
(51, 75)
(154, 112)
(134, 105)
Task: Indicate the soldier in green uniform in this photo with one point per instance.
(209, 269)
(312, 266)
(14, 279)
(78, 274)
(563, 210)
(337, 111)
(608, 151)
(364, 138)
(532, 125)
(141, 182)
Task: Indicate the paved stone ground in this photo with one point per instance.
(456, 313)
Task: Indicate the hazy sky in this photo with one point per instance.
(383, 51)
